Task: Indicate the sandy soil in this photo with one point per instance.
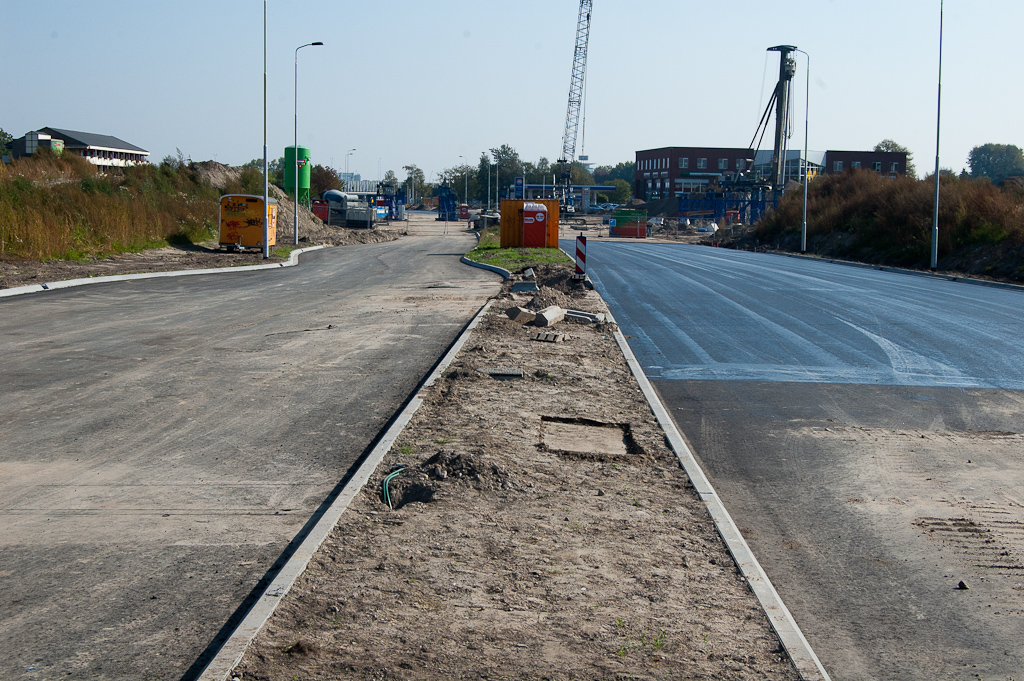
(541, 529)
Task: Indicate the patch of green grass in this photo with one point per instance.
(489, 251)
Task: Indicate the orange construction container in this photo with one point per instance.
(512, 233)
(241, 221)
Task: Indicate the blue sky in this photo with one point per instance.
(426, 82)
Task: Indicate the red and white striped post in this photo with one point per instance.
(581, 255)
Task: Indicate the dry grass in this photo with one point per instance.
(864, 216)
(61, 208)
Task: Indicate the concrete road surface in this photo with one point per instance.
(864, 429)
(162, 441)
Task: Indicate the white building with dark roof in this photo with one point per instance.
(105, 151)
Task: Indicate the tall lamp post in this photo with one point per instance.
(295, 149)
(466, 195)
(938, 121)
(266, 182)
(807, 108)
(347, 178)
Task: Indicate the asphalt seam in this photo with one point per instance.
(781, 620)
(69, 283)
(235, 646)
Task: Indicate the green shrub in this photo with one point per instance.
(863, 215)
(60, 208)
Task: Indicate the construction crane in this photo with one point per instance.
(572, 114)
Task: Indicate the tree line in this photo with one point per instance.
(497, 168)
(993, 161)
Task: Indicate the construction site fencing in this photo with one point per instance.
(746, 208)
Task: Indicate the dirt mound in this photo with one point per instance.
(312, 230)
(447, 472)
(556, 288)
(216, 174)
(668, 208)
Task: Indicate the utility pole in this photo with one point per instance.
(295, 149)
(938, 121)
(266, 180)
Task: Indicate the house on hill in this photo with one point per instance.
(104, 151)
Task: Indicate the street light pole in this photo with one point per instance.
(295, 149)
(938, 121)
(347, 177)
(807, 108)
(266, 183)
(464, 197)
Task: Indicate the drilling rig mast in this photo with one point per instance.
(787, 69)
(572, 115)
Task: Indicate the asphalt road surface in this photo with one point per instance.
(864, 429)
(162, 441)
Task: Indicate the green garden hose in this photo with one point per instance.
(388, 478)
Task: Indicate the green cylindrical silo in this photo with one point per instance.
(304, 168)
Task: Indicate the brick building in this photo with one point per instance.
(682, 171)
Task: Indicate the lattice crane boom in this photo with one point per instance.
(572, 114)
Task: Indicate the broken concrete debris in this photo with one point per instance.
(529, 274)
(524, 287)
(550, 316)
(548, 336)
(521, 315)
(588, 317)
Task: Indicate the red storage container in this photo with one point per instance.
(535, 225)
(321, 209)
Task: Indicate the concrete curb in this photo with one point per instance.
(797, 647)
(493, 268)
(35, 288)
(234, 647)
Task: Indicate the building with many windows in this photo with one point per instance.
(103, 151)
(684, 171)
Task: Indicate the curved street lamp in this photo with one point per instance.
(295, 149)
(466, 195)
(938, 172)
(347, 154)
(807, 163)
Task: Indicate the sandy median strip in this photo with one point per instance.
(541, 530)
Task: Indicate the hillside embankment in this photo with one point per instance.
(865, 217)
(61, 219)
